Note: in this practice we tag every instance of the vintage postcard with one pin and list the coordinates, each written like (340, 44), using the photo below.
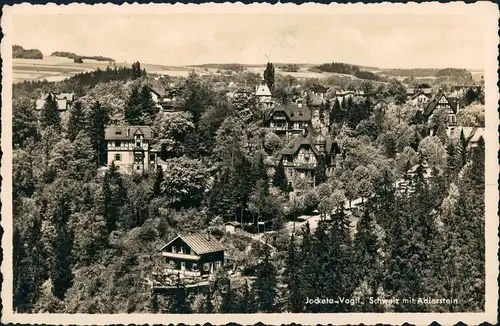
(217, 163)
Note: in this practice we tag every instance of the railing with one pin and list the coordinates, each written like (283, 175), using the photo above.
(179, 255)
(182, 273)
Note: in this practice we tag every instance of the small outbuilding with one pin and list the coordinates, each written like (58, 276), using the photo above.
(232, 227)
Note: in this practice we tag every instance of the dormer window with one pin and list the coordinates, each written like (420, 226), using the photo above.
(118, 132)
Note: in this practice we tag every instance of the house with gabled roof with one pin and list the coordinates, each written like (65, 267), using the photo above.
(195, 254)
(263, 93)
(301, 156)
(318, 90)
(471, 134)
(129, 148)
(288, 119)
(64, 100)
(440, 100)
(166, 101)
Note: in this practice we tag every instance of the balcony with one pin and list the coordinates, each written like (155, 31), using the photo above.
(180, 256)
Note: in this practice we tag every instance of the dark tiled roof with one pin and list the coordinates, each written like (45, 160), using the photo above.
(331, 147)
(298, 141)
(127, 132)
(199, 243)
(435, 101)
(292, 111)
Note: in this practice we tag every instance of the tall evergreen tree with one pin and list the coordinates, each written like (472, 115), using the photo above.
(61, 273)
(292, 278)
(220, 198)
(98, 118)
(265, 284)
(320, 171)
(336, 113)
(157, 182)
(148, 106)
(280, 180)
(133, 107)
(49, 115)
(247, 301)
(113, 197)
(366, 245)
(24, 122)
(269, 76)
(76, 121)
(240, 183)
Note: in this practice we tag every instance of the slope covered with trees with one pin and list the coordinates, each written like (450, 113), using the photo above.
(84, 242)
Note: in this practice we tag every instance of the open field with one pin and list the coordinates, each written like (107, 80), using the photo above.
(59, 68)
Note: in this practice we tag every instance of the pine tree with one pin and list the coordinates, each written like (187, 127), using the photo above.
(61, 273)
(113, 197)
(133, 107)
(220, 198)
(157, 182)
(259, 172)
(247, 302)
(241, 184)
(265, 284)
(280, 180)
(269, 76)
(336, 113)
(49, 115)
(148, 106)
(76, 121)
(320, 171)
(98, 118)
(292, 278)
(365, 249)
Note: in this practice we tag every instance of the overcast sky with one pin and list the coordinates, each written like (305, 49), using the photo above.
(383, 40)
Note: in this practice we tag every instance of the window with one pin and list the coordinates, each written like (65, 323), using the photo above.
(118, 132)
(217, 264)
(138, 158)
(138, 143)
(206, 267)
(118, 143)
(173, 249)
(118, 157)
(138, 168)
(195, 266)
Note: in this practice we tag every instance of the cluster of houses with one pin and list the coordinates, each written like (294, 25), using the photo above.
(297, 122)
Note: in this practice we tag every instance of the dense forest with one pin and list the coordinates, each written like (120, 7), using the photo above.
(71, 55)
(18, 52)
(84, 242)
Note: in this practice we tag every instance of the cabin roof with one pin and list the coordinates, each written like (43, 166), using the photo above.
(199, 243)
(127, 132)
(435, 101)
(233, 223)
(293, 112)
(298, 141)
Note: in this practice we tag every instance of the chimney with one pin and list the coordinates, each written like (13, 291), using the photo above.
(208, 234)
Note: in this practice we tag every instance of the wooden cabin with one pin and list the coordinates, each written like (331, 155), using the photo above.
(194, 254)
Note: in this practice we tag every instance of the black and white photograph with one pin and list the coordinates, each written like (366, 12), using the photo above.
(313, 164)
